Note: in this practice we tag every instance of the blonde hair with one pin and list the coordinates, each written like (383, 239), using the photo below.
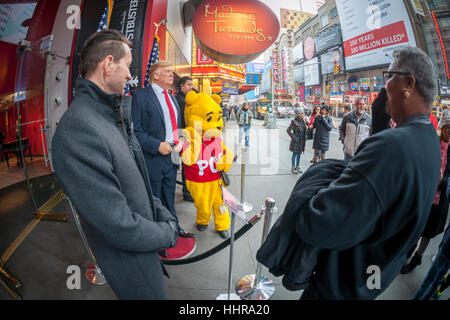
(156, 66)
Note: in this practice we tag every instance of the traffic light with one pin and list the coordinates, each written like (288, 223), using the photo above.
(337, 68)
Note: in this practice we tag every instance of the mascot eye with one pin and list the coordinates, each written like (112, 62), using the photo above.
(219, 118)
(209, 119)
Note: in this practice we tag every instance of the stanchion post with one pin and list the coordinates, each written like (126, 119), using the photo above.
(255, 286)
(93, 273)
(233, 222)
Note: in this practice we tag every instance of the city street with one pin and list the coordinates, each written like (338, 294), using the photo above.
(208, 278)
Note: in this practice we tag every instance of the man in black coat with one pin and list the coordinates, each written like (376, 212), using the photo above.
(184, 86)
(365, 240)
(365, 221)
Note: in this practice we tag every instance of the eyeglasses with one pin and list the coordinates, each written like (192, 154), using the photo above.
(387, 75)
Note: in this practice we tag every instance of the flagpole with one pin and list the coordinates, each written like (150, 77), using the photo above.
(163, 21)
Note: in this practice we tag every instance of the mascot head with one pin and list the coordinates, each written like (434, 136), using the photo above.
(204, 114)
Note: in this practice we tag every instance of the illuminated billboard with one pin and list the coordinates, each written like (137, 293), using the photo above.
(372, 30)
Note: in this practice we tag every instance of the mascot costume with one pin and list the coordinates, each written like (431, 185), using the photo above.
(204, 156)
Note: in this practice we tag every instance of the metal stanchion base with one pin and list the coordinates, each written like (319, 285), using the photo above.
(224, 296)
(247, 290)
(95, 275)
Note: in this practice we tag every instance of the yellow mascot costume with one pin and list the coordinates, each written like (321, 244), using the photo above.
(204, 155)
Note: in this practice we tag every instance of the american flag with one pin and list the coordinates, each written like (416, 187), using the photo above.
(154, 57)
(104, 20)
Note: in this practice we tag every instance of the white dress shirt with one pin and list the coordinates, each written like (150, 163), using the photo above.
(162, 100)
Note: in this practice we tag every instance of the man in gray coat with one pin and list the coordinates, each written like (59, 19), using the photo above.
(355, 127)
(100, 165)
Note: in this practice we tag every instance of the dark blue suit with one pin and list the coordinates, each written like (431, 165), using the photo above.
(148, 119)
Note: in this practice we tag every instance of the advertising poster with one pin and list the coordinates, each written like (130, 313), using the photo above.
(372, 30)
(284, 67)
(128, 16)
(230, 88)
(299, 73)
(275, 66)
(312, 74)
(12, 18)
(330, 59)
(301, 93)
(297, 52)
(328, 39)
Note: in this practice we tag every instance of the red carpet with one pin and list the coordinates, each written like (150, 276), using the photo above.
(184, 248)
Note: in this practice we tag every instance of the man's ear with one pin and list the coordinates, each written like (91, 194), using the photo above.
(411, 82)
(107, 63)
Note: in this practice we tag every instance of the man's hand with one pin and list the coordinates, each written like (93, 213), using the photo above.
(165, 148)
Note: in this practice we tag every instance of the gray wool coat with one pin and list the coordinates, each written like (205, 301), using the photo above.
(101, 168)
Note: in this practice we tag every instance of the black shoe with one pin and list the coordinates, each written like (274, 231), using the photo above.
(224, 234)
(188, 198)
(185, 234)
(163, 253)
(416, 260)
(202, 227)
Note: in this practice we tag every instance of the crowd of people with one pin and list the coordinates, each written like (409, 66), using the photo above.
(356, 127)
(114, 158)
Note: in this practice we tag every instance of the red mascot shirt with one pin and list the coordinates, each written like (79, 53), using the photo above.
(205, 170)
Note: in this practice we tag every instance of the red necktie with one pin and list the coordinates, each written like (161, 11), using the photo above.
(172, 118)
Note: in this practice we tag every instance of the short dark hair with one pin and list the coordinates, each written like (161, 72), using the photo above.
(98, 46)
(182, 81)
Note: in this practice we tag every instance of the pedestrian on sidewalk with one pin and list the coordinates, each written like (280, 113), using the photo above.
(439, 209)
(437, 280)
(398, 172)
(244, 117)
(310, 131)
(297, 132)
(185, 85)
(355, 127)
(321, 142)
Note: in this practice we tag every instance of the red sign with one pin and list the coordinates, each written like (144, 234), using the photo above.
(234, 31)
(203, 58)
(309, 48)
(387, 36)
(301, 93)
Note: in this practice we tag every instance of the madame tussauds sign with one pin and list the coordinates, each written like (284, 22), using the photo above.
(234, 31)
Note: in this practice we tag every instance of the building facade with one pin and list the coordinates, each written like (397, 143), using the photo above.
(335, 63)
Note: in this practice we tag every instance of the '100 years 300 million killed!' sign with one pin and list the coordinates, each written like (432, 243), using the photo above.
(234, 31)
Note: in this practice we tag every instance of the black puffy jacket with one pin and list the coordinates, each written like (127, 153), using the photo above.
(323, 126)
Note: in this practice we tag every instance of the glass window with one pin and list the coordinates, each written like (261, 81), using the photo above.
(333, 13)
(324, 19)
